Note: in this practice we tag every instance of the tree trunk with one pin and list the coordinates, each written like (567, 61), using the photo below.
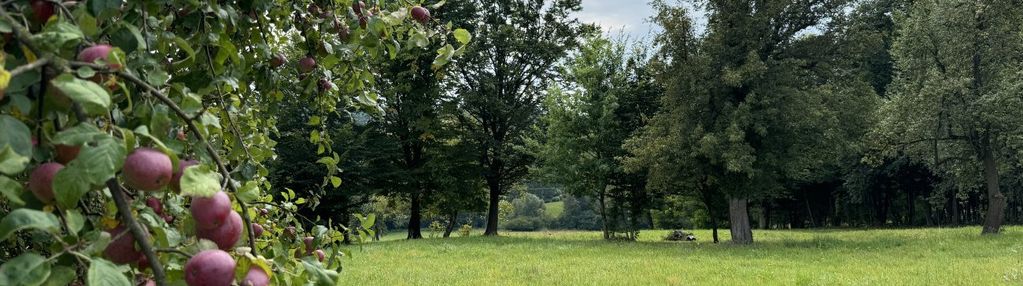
(714, 227)
(955, 209)
(415, 220)
(650, 218)
(603, 215)
(451, 224)
(996, 200)
(738, 216)
(709, 203)
(377, 230)
(493, 212)
(911, 204)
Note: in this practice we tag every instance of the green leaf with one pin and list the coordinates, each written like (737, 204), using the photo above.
(86, 22)
(128, 38)
(11, 190)
(185, 46)
(5, 27)
(368, 221)
(78, 135)
(75, 221)
(335, 181)
(319, 276)
(28, 269)
(444, 56)
(93, 98)
(105, 8)
(99, 239)
(15, 134)
(59, 35)
(20, 219)
(96, 164)
(200, 181)
(248, 192)
(314, 121)
(12, 163)
(462, 36)
(105, 273)
(85, 72)
(60, 276)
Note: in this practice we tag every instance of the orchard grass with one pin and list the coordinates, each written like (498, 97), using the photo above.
(932, 256)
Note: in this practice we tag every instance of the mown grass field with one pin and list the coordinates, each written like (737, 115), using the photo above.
(955, 256)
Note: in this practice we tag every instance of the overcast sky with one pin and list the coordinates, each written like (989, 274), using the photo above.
(620, 16)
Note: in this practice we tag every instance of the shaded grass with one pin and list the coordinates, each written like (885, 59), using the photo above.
(953, 256)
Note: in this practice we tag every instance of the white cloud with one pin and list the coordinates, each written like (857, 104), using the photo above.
(617, 17)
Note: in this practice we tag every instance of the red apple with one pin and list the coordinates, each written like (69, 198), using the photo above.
(210, 268)
(278, 60)
(97, 52)
(256, 277)
(40, 182)
(420, 14)
(358, 6)
(306, 64)
(66, 153)
(211, 212)
(42, 10)
(257, 230)
(227, 235)
(148, 169)
(320, 254)
(155, 204)
(309, 244)
(121, 249)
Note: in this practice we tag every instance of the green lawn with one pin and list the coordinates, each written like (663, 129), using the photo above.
(958, 256)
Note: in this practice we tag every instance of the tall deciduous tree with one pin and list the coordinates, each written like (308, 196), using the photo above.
(507, 69)
(606, 98)
(956, 102)
(744, 111)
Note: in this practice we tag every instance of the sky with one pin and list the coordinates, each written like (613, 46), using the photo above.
(616, 17)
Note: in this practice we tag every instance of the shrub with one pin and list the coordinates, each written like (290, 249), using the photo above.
(465, 230)
(524, 224)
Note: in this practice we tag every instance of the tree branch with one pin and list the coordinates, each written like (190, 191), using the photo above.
(136, 230)
(191, 126)
(30, 66)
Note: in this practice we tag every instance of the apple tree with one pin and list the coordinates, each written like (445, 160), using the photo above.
(133, 134)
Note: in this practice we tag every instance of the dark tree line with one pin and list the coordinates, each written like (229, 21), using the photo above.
(778, 114)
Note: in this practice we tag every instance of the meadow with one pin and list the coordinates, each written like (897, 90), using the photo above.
(933, 256)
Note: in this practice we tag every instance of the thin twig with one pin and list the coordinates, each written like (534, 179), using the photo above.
(30, 66)
(175, 251)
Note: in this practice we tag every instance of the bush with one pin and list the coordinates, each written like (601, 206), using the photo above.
(465, 230)
(528, 205)
(524, 224)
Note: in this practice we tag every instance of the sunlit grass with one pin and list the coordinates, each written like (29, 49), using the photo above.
(956, 256)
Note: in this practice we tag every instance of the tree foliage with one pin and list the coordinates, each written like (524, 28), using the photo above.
(502, 78)
(194, 80)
